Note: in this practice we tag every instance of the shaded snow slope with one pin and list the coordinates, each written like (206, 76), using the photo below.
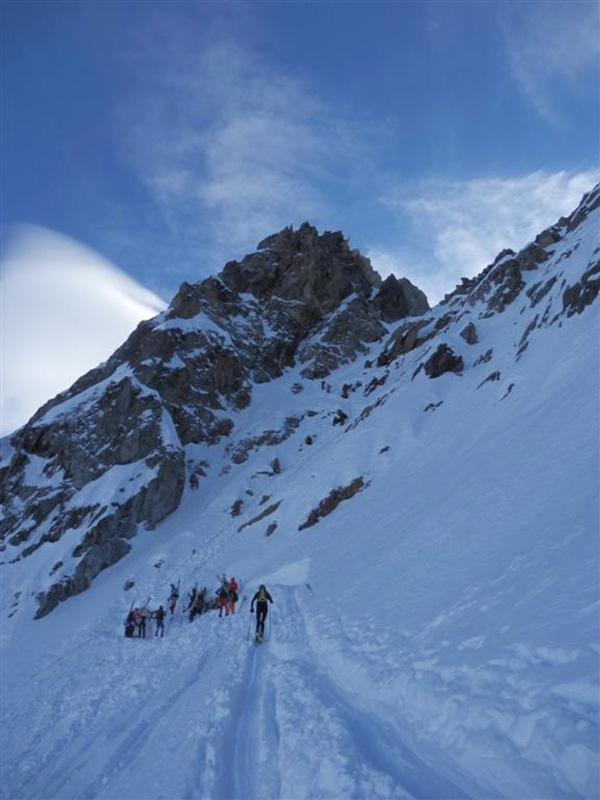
(434, 636)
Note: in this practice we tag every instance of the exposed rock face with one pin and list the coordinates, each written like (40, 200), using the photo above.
(344, 336)
(399, 298)
(319, 271)
(502, 282)
(469, 334)
(584, 292)
(109, 453)
(404, 339)
(513, 279)
(443, 360)
(332, 501)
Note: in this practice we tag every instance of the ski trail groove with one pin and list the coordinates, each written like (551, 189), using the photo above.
(382, 764)
(240, 745)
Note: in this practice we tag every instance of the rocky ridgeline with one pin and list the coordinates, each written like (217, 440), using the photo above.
(535, 278)
(109, 453)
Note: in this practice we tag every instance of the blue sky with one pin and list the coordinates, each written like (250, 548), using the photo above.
(171, 137)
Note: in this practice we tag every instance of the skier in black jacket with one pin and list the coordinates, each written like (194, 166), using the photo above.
(262, 599)
(159, 616)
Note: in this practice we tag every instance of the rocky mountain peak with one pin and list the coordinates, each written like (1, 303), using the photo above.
(303, 265)
(117, 450)
(303, 300)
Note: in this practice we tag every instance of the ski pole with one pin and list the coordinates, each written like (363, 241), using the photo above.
(249, 624)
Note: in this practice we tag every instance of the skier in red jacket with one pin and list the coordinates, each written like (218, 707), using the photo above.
(233, 594)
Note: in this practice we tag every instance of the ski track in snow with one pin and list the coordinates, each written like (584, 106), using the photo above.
(241, 721)
(323, 709)
(381, 764)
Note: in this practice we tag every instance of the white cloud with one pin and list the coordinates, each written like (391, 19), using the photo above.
(551, 47)
(463, 225)
(225, 143)
(64, 311)
(232, 148)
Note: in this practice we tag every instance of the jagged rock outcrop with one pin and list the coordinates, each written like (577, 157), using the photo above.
(397, 299)
(108, 454)
(319, 271)
(502, 281)
(404, 339)
(332, 501)
(469, 334)
(521, 279)
(582, 293)
(443, 360)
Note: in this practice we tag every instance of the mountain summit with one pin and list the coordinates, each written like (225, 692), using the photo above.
(302, 298)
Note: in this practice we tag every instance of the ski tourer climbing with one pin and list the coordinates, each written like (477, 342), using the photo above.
(223, 595)
(191, 599)
(173, 597)
(198, 604)
(262, 598)
(233, 594)
(130, 624)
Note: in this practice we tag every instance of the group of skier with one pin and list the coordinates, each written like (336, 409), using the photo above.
(197, 603)
(138, 618)
(226, 598)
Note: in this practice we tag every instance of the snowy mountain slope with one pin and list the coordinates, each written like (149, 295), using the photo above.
(109, 454)
(434, 635)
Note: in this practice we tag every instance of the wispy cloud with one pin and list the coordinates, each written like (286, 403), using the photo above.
(462, 225)
(227, 145)
(231, 147)
(552, 46)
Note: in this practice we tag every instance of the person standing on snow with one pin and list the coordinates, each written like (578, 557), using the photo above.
(130, 624)
(174, 596)
(262, 599)
(223, 595)
(233, 594)
(191, 598)
(159, 616)
(142, 620)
